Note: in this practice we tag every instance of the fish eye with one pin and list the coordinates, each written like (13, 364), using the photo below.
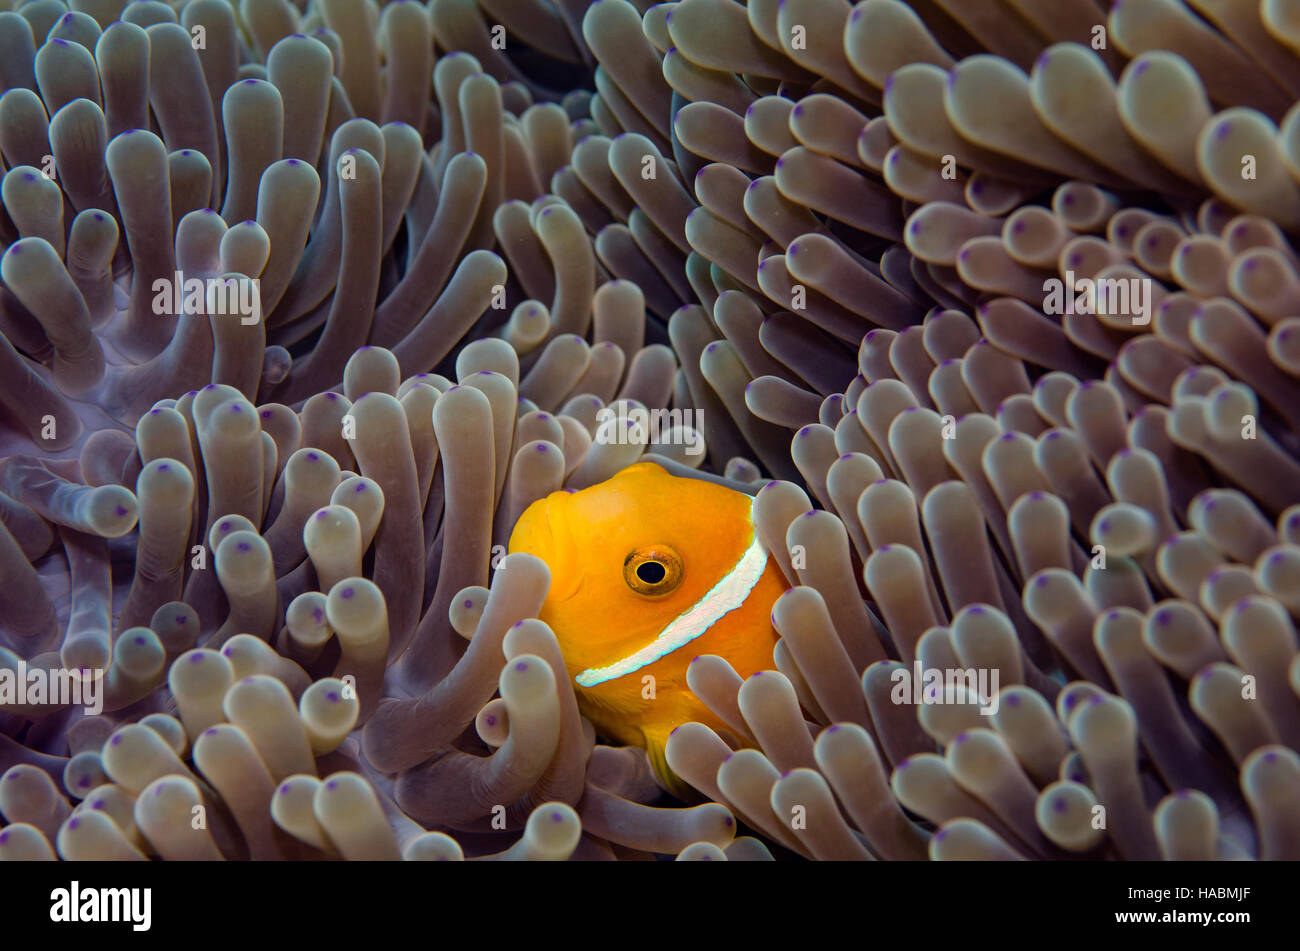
(653, 571)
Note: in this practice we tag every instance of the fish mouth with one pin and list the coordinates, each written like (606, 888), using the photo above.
(543, 531)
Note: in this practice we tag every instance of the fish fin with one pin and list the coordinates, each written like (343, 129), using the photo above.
(656, 740)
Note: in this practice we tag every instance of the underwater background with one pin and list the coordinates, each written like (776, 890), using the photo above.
(904, 398)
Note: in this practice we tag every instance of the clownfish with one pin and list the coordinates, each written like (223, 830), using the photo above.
(648, 572)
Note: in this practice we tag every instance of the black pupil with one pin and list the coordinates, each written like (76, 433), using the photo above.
(651, 572)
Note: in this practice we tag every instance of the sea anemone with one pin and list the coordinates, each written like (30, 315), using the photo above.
(991, 307)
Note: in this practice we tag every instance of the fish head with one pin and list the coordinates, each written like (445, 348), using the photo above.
(629, 556)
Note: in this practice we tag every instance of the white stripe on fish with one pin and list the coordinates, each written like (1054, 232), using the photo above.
(727, 595)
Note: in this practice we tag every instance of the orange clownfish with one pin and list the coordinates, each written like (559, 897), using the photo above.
(648, 572)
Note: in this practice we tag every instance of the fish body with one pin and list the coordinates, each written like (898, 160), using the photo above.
(648, 572)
